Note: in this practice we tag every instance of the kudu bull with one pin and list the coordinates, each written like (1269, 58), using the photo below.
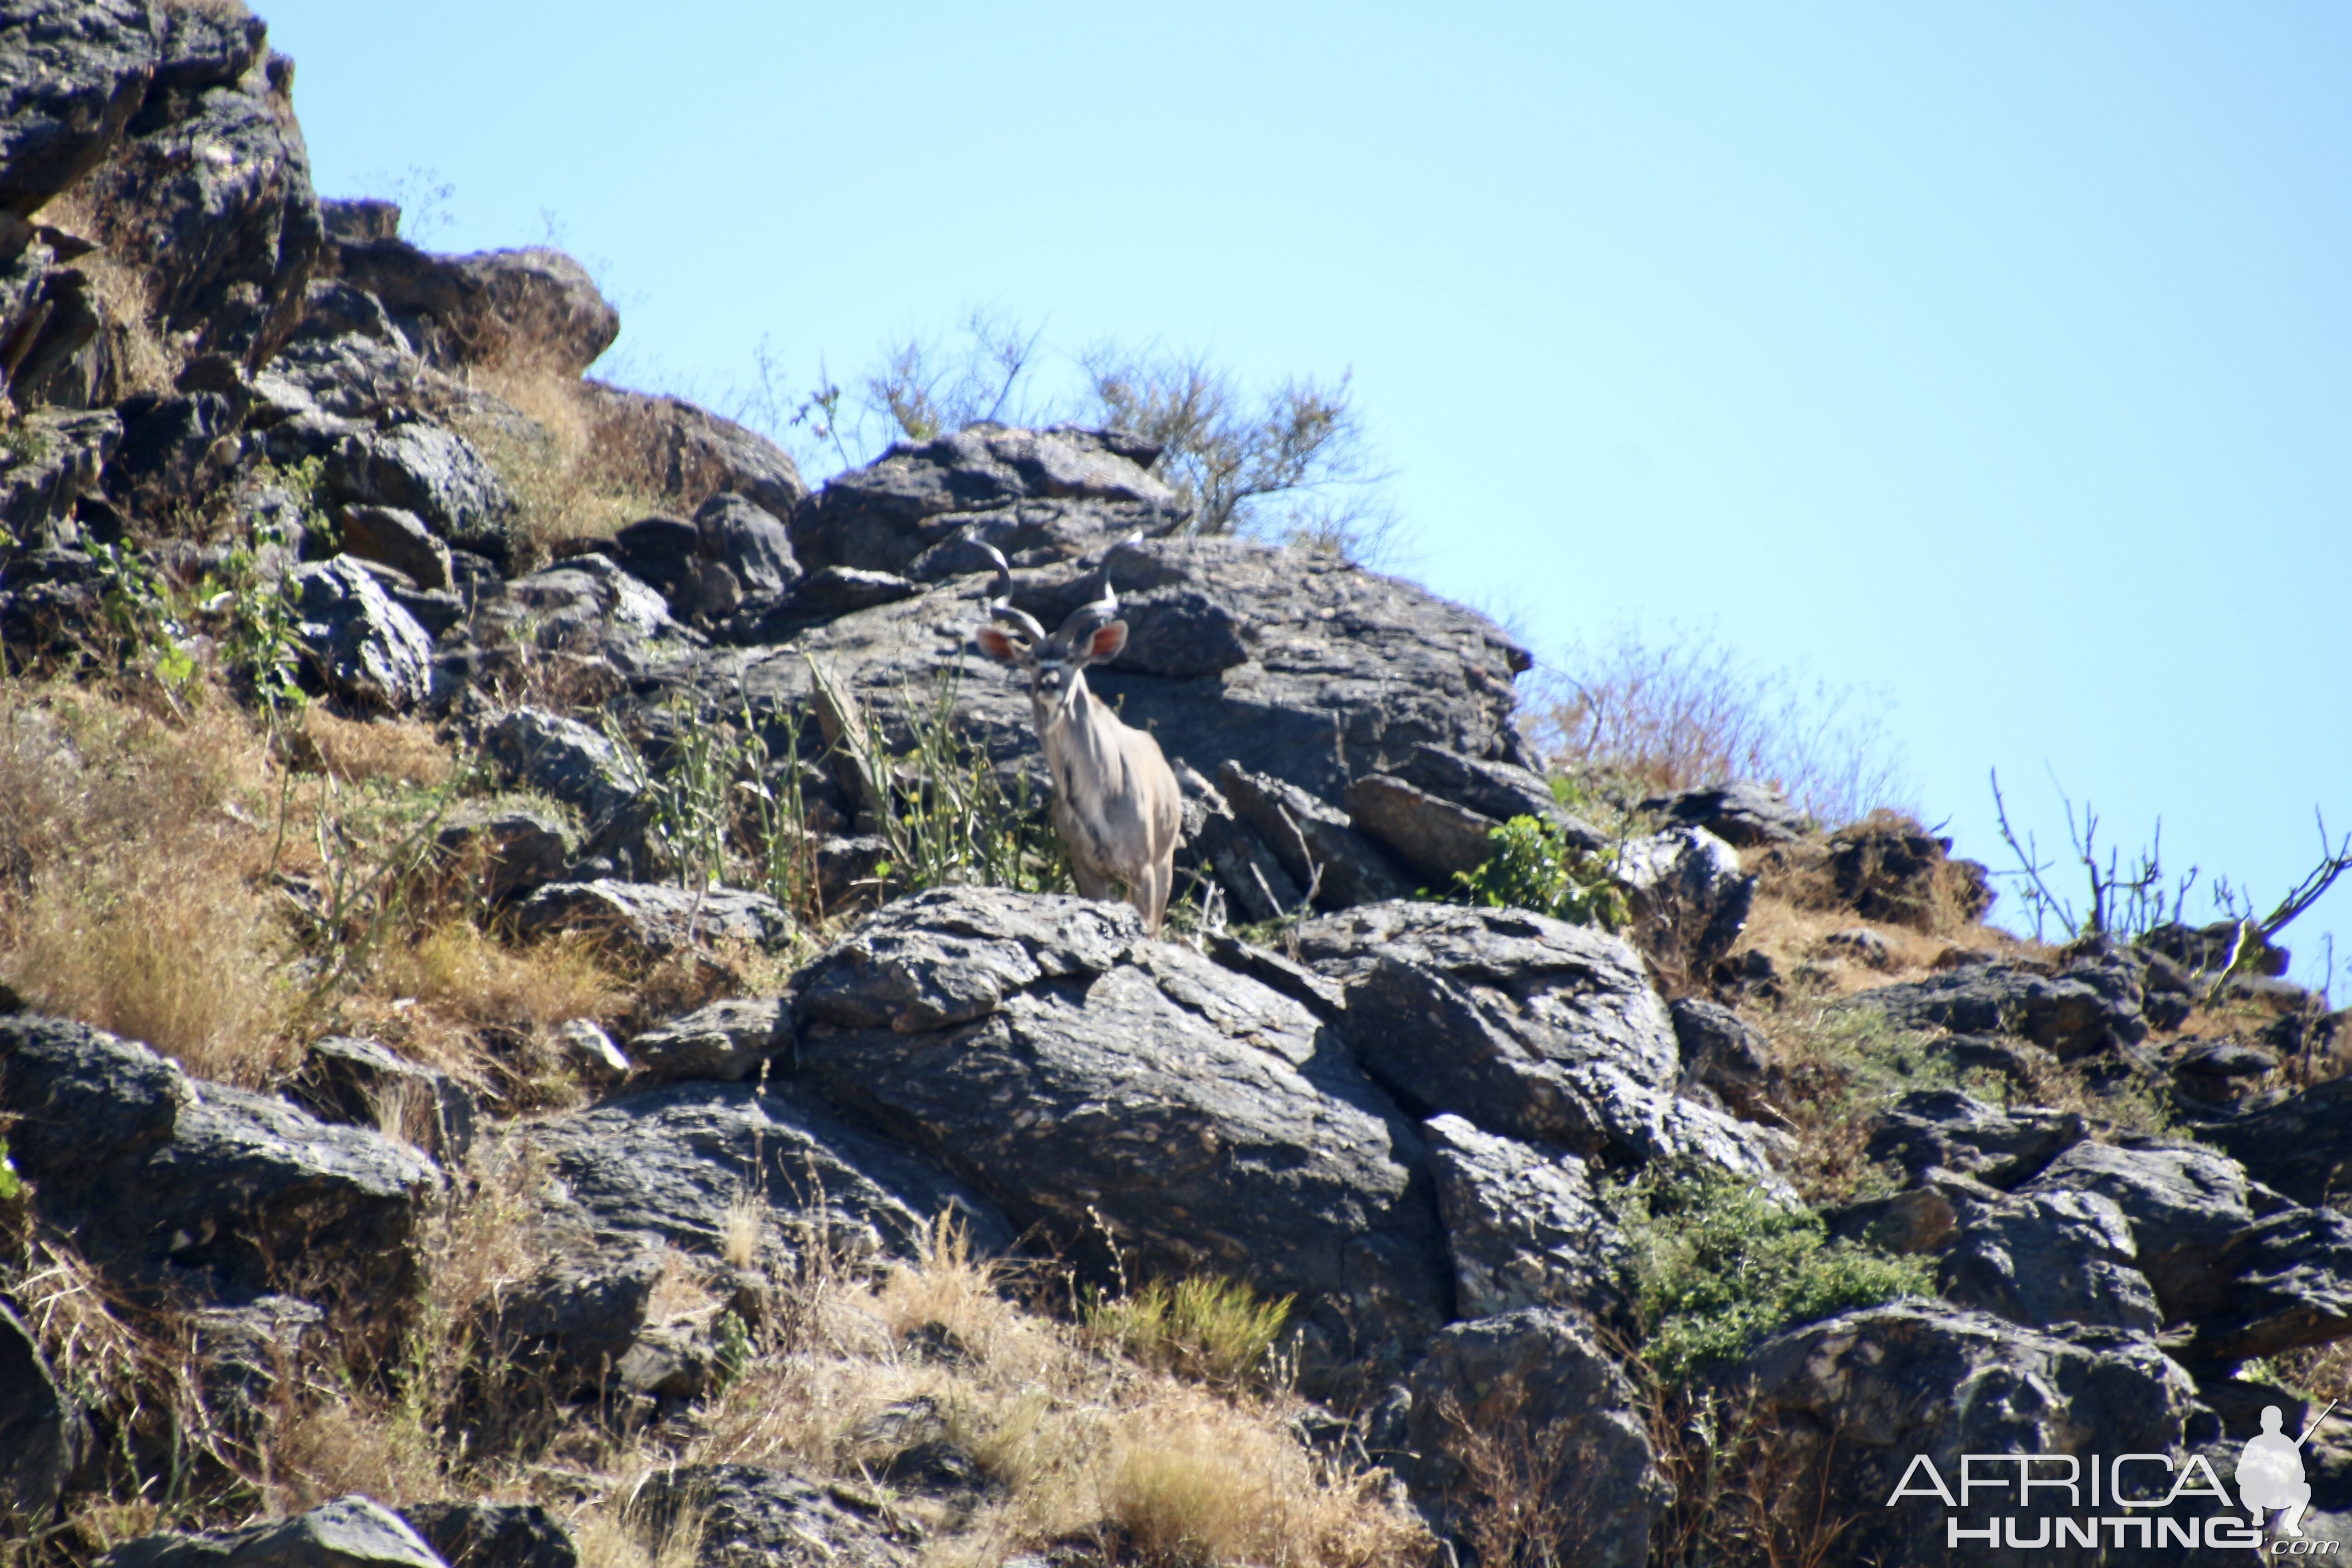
(1115, 802)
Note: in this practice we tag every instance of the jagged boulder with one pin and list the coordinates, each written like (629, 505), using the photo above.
(1523, 1225)
(1889, 868)
(666, 1163)
(368, 1084)
(2290, 1285)
(2302, 1146)
(667, 447)
(535, 307)
(1932, 1129)
(649, 921)
(1690, 897)
(1324, 671)
(493, 1535)
(1524, 1384)
(2059, 1258)
(1438, 839)
(752, 1514)
(422, 467)
(361, 645)
(726, 1040)
(1085, 1077)
(880, 517)
(1528, 1026)
(72, 73)
(1744, 813)
(147, 1168)
(563, 758)
(1314, 843)
(1858, 1398)
(42, 1434)
(210, 193)
(349, 1532)
(2185, 1206)
(51, 461)
(2084, 1009)
(511, 854)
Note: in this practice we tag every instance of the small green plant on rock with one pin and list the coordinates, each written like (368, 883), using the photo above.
(1535, 867)
(1719, 1266)
(1214, 1329)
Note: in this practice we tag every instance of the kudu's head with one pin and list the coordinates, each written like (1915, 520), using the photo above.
(1093, 634)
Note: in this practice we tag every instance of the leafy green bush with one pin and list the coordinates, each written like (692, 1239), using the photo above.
(9, 1187)
(1718, 1266)
(1535, 867)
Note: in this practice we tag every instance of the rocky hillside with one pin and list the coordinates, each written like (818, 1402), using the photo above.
(543, 1022)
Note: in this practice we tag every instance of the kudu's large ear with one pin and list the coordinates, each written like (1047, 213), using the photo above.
(1107, 643)
(996, 644)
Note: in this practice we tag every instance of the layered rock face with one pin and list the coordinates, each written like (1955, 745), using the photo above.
(1419, 1116)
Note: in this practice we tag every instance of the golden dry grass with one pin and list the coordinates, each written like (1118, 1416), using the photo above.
(393, 750)
(559, 472)
(140, 357)
(134, 848)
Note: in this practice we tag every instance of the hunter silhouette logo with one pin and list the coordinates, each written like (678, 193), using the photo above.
(2270, 1471)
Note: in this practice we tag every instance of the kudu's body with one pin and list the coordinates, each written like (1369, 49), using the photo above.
(1115, 802)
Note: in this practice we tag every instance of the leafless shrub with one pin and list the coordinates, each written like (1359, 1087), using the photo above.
(1688, 709)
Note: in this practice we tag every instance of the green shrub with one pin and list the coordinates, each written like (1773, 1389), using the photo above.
(1216, 1329)
(1719, 1266)
(1535, 867)
(10, 1188)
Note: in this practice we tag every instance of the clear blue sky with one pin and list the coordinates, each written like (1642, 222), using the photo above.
(1998, 357)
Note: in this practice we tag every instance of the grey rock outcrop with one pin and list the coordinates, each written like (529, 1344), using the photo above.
(646, 921)
(42, 1434)
(398, 539)
(669, 449)
(881, 517)
(666, 1163)
(1494, 788)
(349, 1532)
(1523, 1225)
(1527, 1027)
(1531, 1380)
(419, 466)
(1297, 668)
(2077, 1012)
(2185, 1206)
(362, 646)
(1690, 899)
(2059, 1258)
(2302, 1146)
(1315, 844)
(512, 853)
(532, 307)
(209, 193)
(72, 73)
(144, 1168)
(726, 1040)
(1744, 813)
(563, 758)
(367, 1084)
(1085, 1077)
(1947, 1128)
(1863, 1393)
(493, 1535)
(760, 1516)
(1436, 837)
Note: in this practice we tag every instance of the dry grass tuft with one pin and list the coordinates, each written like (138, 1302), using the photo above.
(395, 751)
(551, 459)
(133, 850)
(139, 356)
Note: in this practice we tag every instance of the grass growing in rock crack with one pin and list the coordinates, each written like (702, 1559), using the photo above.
(1834, 1071)
(1216, 1330)
(1719, 1266)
